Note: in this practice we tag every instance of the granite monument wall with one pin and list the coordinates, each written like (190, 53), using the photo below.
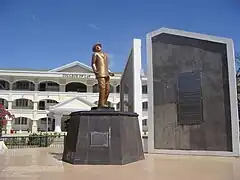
(192, 94)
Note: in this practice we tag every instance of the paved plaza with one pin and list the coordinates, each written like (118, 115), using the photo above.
(46, 164)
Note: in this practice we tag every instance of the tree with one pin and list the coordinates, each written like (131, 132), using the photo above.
(237, 59)
(3, 117)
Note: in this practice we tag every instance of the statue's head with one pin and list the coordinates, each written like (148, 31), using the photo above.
(97, 47)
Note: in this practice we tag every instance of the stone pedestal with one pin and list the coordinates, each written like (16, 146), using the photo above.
(103, 136)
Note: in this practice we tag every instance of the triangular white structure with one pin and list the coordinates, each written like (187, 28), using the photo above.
(75, 66)
(71, 105)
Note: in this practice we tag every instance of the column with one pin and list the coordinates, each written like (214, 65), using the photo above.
(62, 87)
(58, 119)
(9, 105)
(9, 125)
(35, 86)
(90, 88)
(35, 105)
(34, 126)
(10, 85)
(114, 89)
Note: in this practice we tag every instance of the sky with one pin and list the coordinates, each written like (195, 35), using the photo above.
(45, 34)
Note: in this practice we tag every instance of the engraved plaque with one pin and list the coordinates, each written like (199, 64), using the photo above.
(189, 99)
(99, 139)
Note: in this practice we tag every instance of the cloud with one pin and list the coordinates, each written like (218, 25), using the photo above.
(33, 17)
(93, 26)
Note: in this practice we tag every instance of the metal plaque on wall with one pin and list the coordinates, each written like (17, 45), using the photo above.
(189, 99)
(99, 139)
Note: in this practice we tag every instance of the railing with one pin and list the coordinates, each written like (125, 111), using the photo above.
(23, 107)
(47, 93)
(34, 141)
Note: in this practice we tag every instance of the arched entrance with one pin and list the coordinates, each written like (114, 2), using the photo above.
(21, 124)
(76, 87)
(46, 103)
(4, 85)
(48, 86)
(22, 104)
(23, 86)
(46, 124)
(4, 102)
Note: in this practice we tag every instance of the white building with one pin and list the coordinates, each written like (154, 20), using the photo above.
(36, 97)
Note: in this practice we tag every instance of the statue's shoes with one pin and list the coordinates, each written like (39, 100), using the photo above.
(103, 106)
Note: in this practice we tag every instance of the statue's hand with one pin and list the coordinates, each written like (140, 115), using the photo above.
(111, 74)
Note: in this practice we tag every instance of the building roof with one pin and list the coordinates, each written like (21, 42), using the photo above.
(71, 65)
(74, 104)
(23, 69)
(75, 66)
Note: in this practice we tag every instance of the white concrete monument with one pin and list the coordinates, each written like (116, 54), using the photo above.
(131, 84)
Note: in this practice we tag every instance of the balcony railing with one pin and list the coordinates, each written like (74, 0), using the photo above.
(50, 89)
(22, 107)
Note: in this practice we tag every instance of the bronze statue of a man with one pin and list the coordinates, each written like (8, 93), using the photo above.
(102, 73)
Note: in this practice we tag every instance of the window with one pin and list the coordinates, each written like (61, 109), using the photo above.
(95, 88)
(145, 106)
(4, 103)
(50, 101)
(48, 86)
(118, 89)
(21, 121)
(23, 85)
(111, 90)
(44, 120)
(22, 103)
(76, 87)
(144, 89)
(4, 85)
(118, 105)
(144, 122)
(41, 105)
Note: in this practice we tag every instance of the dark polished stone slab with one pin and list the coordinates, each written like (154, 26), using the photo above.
(103, 137)
(102, 108)
(103, 112)
(195, 113)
